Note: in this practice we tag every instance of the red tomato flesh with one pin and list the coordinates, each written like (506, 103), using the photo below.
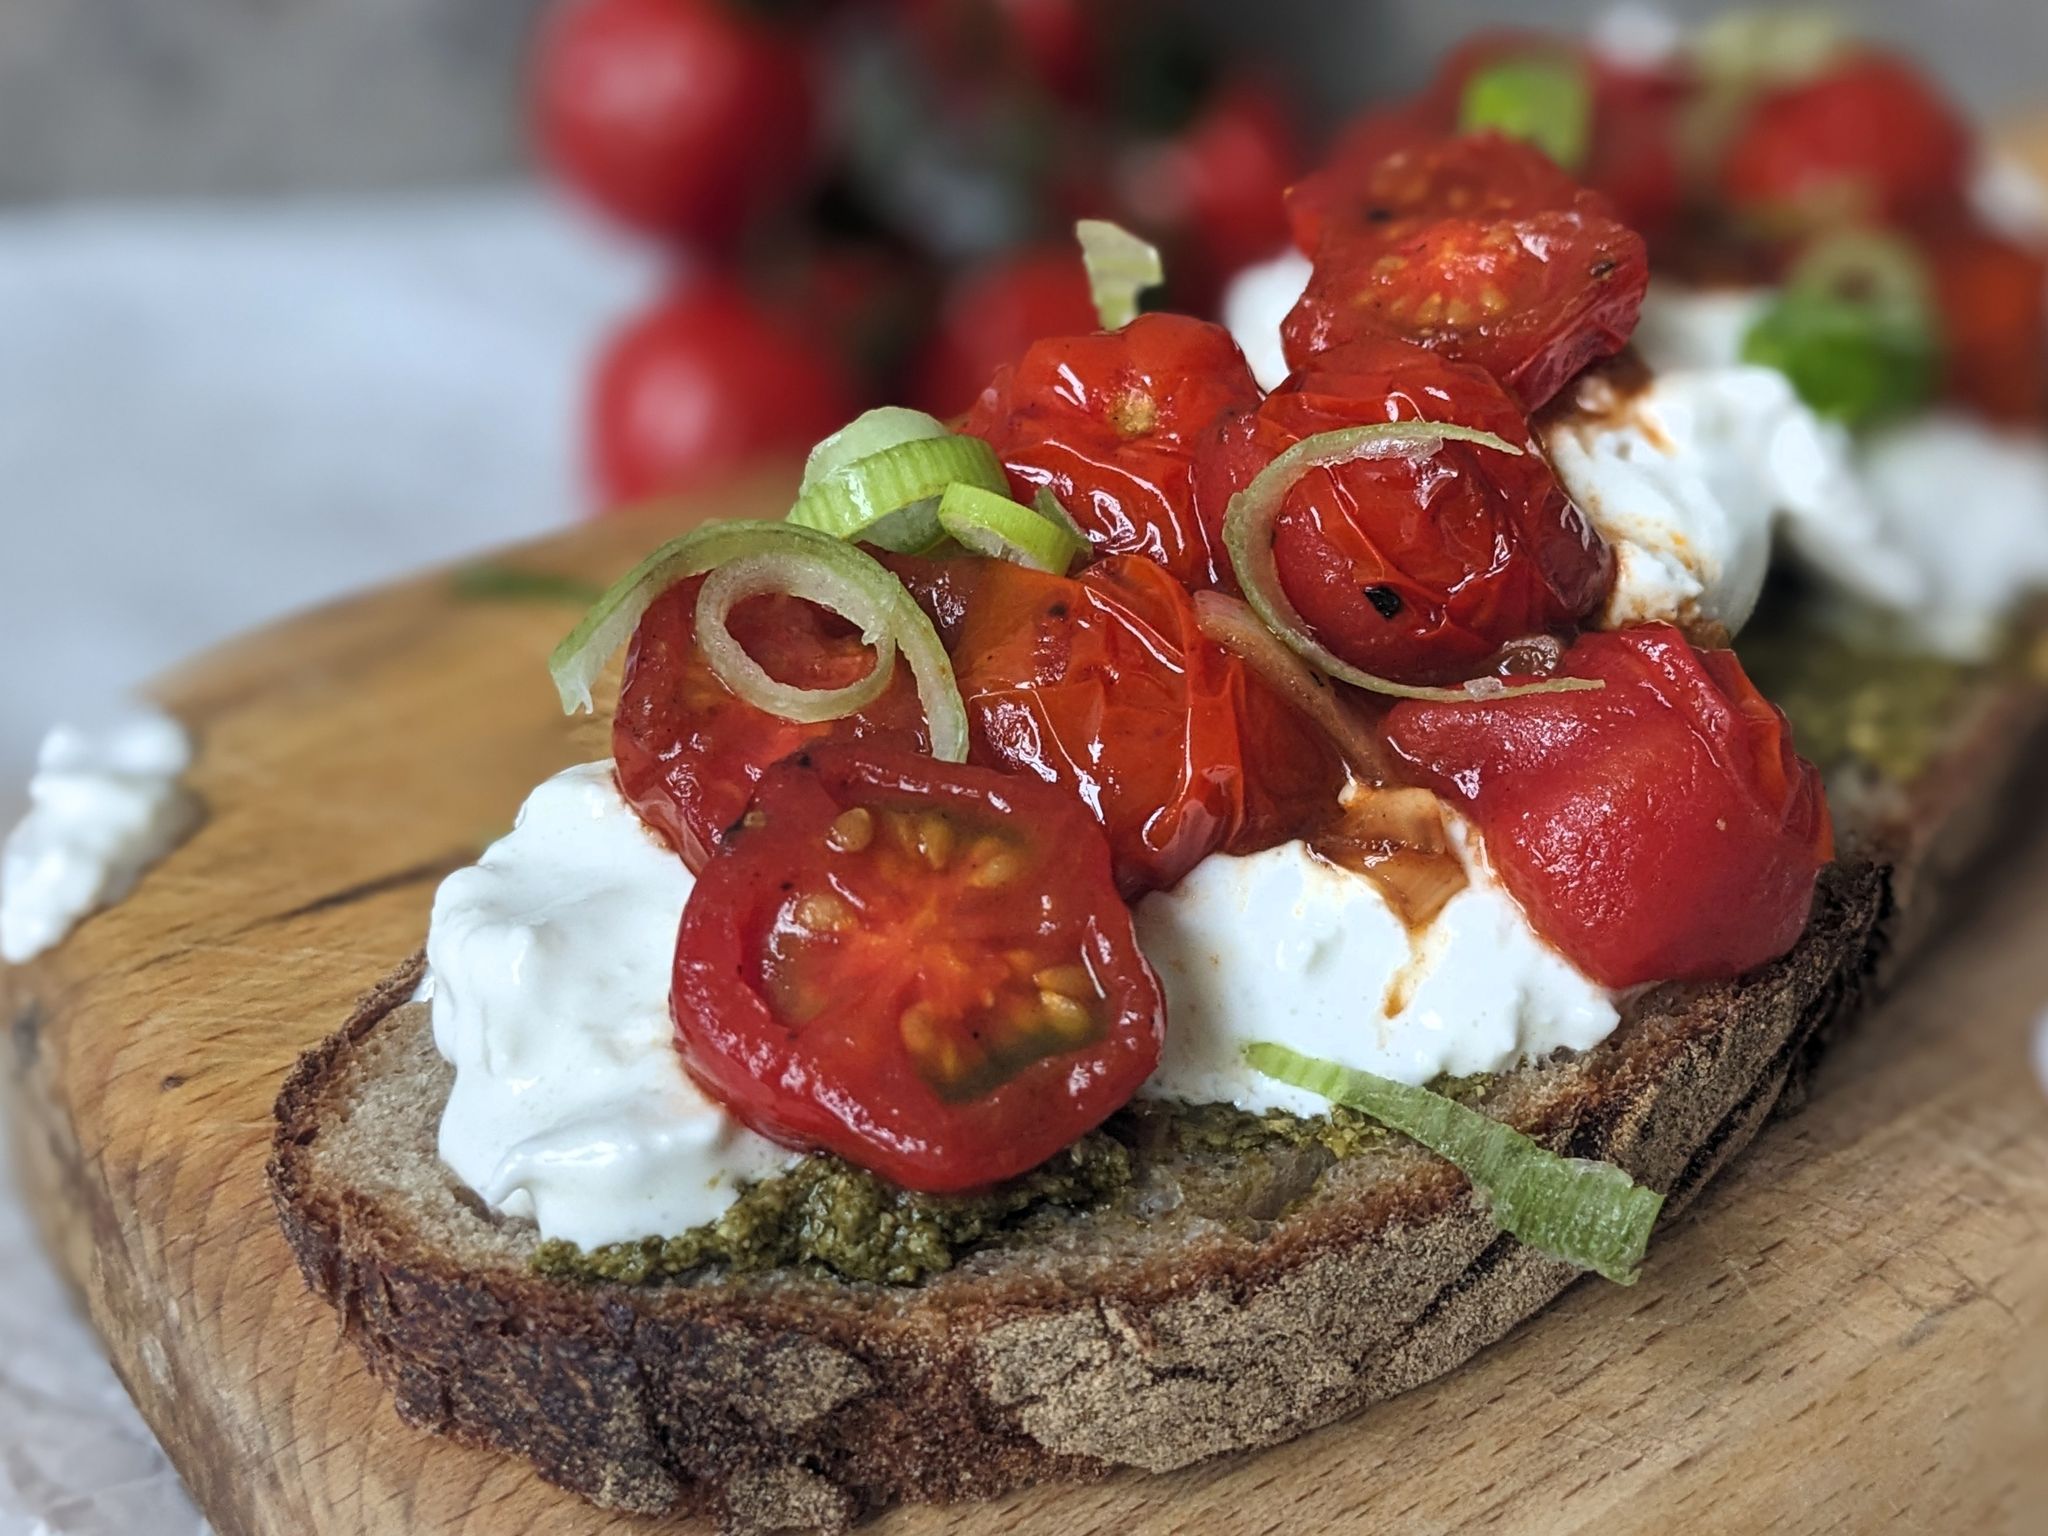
(1477, 247)
(689, 751)
(923, 968)
(1419, 570)
(1110, 423)
(1659, 829)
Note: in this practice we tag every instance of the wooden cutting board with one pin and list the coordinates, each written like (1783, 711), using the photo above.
(1844, 1334)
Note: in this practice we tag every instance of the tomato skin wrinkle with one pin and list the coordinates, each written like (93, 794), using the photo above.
(946, 999)
(1661, 828)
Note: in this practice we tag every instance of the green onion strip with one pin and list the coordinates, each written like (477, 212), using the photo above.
(890, 497)
(1120, 268)
(1248, 538)
(1589, 1214)
(987, 524)
(778, 557)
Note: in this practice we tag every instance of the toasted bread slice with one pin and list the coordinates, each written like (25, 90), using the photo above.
(1214, 1309)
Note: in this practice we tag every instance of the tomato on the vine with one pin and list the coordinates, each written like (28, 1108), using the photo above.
(1660, 828)
(1110, 422)
(991, 313)
(678, 118)
(689, 751)
(922, 967)
(1420, 569)
(1867, 138)
(703, 384)
(1479, 248)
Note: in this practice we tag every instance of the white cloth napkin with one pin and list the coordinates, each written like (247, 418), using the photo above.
(210, 416)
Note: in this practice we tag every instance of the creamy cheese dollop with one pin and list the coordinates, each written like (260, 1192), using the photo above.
(1254, 305)
(1285, 946)
(550, 961)
(104, 805)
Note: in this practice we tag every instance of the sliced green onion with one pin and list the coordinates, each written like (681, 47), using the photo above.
(873, 599)
(1589, 1214)
(987, 524)
(1760, 49)
(1855, 329)
(1543, 99)
(800, 575)
(871, 432)
(1048, 506)
(1248, 538)
(891, 498)
(1120, 268)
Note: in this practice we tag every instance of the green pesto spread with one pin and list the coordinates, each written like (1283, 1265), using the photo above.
(827, 1214)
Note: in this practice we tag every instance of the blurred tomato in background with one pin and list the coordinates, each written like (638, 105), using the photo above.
(873, 200)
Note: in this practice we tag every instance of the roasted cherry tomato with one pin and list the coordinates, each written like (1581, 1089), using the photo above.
(689, 751)
(1048, 45)
(995, 311)
(680, 118)
(1993, 299)
(1869, 138)
(1636, 159)
(1333, 196)
(1479, 248)
(702, 385)
(1109, 423)
(1104, 685)
(1420, 569)
(1658, 829)
(922, 967)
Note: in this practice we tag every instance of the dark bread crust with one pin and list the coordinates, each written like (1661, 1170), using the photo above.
(789, 1401)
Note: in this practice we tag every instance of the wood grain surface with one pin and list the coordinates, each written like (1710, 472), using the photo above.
(1844, 1334)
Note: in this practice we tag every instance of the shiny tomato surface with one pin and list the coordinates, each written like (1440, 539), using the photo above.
(1659, 829)
(1868, 138)
(921, 967)
(1420, 569)
(1479, 248)
(1110, 423)
(678, 118)
(689, 751)
(1992, 295)
(1103, 685)
(992, 313)
(703, 385)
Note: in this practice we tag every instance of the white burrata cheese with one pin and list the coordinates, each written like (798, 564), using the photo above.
(1696, 327)
(104, 805)
(550, 962)
(1967, 503)
(1254, 305)
(1287, 947)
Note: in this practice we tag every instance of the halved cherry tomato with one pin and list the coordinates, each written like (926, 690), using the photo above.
(701, 386)
(1870, 138)
(1334, 195)
(1103, 684)
(1420, 569)
(678, 118)
(992, 313)
(1661, 828)
(1479, 248)
(1993, 299)
(922, 967)
(689, 751)
(1109, 423)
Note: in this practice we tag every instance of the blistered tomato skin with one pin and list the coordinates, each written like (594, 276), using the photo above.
(1110, 423)
(1419, 570)
(922, 967)
(1104, 685)
(1479, 248)
(1659, 829)
(1869, 138)
(689, 751)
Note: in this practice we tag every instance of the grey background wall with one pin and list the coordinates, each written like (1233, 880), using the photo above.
(102, 97)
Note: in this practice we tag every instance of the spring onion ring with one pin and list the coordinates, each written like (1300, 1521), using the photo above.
(731, 584)
(1120, 268)
(871, 432)
(890, 498)
(1048, 507)
(1543, 99)
(1248, 538)
(987, 524)
(873, 599)
(1589, 1214)
(1232, 624)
